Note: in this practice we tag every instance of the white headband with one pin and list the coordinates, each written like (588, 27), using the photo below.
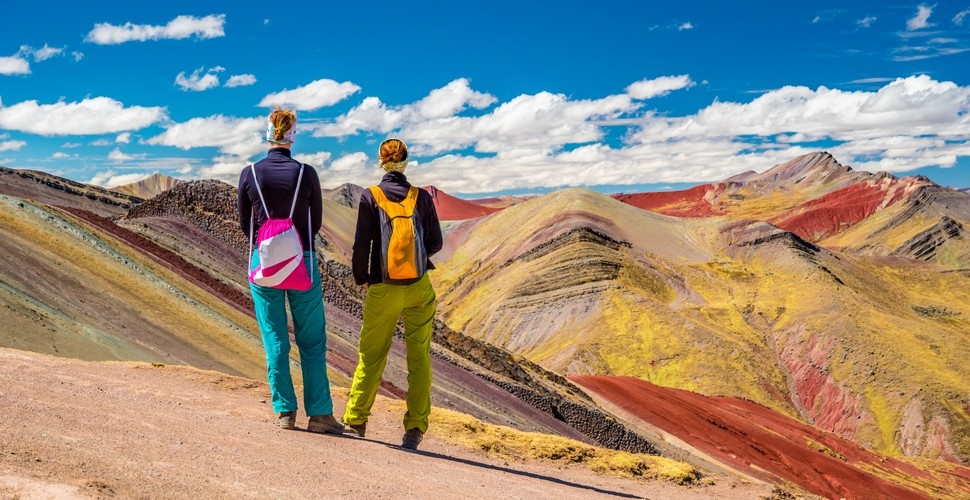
(288, 136)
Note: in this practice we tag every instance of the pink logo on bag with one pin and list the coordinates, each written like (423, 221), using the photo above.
(279, 248)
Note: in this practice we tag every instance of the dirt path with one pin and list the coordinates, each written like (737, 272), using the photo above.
(73, 429)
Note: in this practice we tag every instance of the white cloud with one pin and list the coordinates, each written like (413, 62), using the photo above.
(77, 55)
(314, 95)
(866, 22)
(101, 142)
(211, 26)
(12, 145)
(316, 159)
(921, 19)
(199, 80)
(14, 65)
(44, 53)
(96, 115)
(646, 89)
(109, 179)
(873, 80)
(374, 116)
(118, 156)
(452, 99)
(906, 106)
(816, 20)
(123, 138)
(958, 19)
(240, 80)
(906, 124)
(233, 136)
(71, 145)
(685, 26)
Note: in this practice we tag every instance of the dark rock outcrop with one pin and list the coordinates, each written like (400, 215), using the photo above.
(924, 245)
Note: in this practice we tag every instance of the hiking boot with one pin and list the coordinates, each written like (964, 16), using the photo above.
(412, 438)
(357, 429)
(325, 424)
(287, 420)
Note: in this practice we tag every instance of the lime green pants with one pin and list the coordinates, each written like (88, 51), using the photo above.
(382, 308)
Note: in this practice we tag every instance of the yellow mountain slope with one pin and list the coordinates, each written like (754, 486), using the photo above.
(874, 349)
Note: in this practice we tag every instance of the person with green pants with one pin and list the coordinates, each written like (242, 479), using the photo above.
(393, 271)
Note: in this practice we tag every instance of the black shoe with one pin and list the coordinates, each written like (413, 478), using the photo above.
(412, 438)
(357, 429)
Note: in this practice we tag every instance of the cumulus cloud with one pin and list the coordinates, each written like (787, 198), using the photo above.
(111, 179)
(14, 65)
(60, 155)
(921, 19)
(233, 136)
(646, 89)
(866, 22)
(77, 55)
(911, 106)
(123, 138)
(314, 95)
(96, 115)
(211, 26)
(240, 80)
(372, 115)
(908, 123)
(12, 145)
(316, 159)
(200, 79)
(685, 26)
(118, 156)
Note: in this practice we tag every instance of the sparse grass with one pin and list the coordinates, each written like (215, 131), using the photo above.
(511, 444)
(821, 448)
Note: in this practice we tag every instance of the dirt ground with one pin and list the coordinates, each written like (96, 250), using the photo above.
(75, 429)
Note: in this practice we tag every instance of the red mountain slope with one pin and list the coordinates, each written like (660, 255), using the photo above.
(693, 202)
(845, 207)
(452, 208)
(765, 444)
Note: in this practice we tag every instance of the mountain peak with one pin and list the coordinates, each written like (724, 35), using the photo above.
(813, 168)
(148, 187)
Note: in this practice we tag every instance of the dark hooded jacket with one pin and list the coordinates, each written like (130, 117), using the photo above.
(367, 241)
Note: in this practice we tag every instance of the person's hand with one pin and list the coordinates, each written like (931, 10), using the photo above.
(366, 287)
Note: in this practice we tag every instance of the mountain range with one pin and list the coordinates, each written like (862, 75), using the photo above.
(827, 300)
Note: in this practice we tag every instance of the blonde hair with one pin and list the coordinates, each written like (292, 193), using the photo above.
(282, 120)
(393, 151)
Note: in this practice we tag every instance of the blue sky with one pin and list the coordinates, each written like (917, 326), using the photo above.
(501, 96)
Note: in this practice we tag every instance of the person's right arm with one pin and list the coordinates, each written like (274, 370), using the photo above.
(363, 236)
(243, 203)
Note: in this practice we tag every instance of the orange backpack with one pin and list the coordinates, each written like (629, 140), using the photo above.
(403, 256)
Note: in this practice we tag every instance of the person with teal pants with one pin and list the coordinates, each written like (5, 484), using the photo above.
(287, 186)
(389, 299)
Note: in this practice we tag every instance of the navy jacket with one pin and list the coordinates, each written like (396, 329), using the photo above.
(277, 174)
(367, 241)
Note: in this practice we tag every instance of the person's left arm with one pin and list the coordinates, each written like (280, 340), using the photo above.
(433, 240)
(316, 199)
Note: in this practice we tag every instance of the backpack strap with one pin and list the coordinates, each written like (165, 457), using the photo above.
(296, 193)
(252, 218)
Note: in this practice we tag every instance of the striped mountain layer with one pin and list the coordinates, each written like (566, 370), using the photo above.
(165, 283)
(850, 332)
(194, 226)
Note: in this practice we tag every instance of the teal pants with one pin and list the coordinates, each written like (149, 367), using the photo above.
(309, 328)
(384, 305)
